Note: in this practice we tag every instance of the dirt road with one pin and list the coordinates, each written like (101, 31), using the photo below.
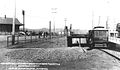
(55, 55)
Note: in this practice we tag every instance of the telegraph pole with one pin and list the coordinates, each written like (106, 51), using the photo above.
(23, 13)
(13, 26)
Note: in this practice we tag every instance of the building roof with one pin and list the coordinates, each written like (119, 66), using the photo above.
(7, 20)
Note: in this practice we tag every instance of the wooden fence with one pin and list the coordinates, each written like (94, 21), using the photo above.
(23, 39)
(19, 40)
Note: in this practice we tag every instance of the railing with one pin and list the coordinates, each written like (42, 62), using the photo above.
(114, 40)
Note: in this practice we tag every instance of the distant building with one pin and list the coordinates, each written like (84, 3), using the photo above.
(6, 25)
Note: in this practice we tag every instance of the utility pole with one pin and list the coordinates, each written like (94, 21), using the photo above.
(70, 26)
(54, 26)
(107, 23)
(66, 28)
(23, 13)
(50, 29)
(70, 29)
(65, 21)
(54, 12)
(13, 26)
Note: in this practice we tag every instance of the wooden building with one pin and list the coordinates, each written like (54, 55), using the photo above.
(6, 25)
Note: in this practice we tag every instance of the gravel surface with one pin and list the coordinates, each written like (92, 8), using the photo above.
(47, 55)
(55, 51)
(68, 58)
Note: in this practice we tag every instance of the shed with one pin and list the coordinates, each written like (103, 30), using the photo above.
(6, 25)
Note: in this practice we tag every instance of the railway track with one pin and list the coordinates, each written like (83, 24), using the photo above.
(113, 51)
(114, 54)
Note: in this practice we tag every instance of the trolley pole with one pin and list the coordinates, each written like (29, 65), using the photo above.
(13, 26)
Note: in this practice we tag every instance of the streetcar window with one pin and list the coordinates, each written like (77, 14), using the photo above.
(75, 40)
(112, 34)
(78, 40)
(100, 33)
(116, 34)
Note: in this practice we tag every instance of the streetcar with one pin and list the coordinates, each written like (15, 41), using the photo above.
(99, 35)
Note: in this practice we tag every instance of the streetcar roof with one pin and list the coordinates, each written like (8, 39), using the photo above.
(99, 28)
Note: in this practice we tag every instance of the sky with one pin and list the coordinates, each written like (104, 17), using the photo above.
(82, 14)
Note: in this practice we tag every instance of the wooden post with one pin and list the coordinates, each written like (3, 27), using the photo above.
(36, 37)
(13, 39)
(69, 41)
(17, 39)
(79, 41)
(31, 38)
(7, 41)
(25, 38)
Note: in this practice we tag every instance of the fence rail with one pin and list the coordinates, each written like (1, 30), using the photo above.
(22, 39)
(26, 39)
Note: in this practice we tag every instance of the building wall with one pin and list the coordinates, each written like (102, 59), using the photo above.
(7, 28)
